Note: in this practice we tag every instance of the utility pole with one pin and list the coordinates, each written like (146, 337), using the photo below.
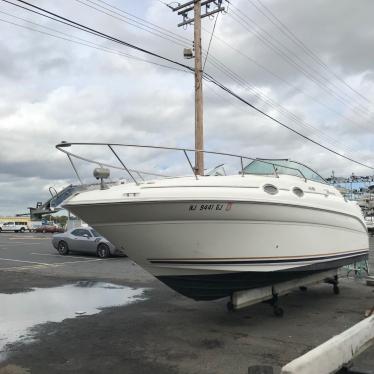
(184, 9)
(199, 128)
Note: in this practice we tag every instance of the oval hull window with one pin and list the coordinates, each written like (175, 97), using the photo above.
(270, 189)
(298, 191)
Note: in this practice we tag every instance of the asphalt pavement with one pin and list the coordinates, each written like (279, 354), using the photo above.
(164, 332)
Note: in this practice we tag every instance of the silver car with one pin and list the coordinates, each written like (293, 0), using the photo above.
(84, 239)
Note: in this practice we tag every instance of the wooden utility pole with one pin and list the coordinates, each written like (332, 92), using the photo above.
(184, 10)
(199, 128)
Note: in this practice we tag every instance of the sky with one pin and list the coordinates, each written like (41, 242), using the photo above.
(308, 64)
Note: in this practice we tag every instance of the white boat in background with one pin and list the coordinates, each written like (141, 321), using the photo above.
(210, 236)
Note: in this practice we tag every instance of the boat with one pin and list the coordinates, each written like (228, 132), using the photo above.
(209, 236)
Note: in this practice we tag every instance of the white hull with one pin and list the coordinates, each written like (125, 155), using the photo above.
(182, 247)
(194, 235)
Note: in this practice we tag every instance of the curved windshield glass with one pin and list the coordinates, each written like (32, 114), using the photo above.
(273, 167)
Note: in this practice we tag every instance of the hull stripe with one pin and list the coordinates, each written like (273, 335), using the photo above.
(276, 260)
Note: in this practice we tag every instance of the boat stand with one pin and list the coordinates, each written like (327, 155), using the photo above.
(270, 294)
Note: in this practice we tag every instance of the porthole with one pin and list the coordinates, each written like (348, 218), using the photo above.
(270, 189)
(298, 191)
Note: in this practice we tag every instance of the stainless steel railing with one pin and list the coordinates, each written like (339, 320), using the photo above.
(132, 172)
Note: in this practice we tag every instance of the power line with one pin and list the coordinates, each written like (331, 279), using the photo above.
(283, 124)
(264, 98)
(84, 43)
(268, 37)
(206, 76)
(316, 77)
(292, 36)
(268, 101)
(154, 26)
(89, 30)
(181, 37)
(279, 78)
(128, 21)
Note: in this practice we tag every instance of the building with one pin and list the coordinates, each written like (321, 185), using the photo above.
(14, 219)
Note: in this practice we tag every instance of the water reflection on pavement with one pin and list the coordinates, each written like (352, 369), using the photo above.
(21, 311)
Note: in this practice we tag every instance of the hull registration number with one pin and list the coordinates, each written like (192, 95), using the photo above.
(216, 206)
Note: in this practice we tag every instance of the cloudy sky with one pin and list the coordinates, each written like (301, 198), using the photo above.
(307, 63)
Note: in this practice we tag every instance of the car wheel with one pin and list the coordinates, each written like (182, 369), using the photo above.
(63, 248)
(103, 250)
(22, 229)
(44, 231)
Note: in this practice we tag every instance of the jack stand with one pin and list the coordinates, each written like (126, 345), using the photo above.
(278, 311)
(335, 282)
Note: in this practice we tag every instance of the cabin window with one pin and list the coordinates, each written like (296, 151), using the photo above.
(298, 191)
(270, 189)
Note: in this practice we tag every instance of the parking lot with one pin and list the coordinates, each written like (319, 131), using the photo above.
(17, 252)
(163, 332)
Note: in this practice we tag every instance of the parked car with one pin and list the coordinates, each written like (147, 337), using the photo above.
(18, 226)
(84, 239)
(49, 228)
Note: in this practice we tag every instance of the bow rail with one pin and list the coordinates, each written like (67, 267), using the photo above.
(132, 172)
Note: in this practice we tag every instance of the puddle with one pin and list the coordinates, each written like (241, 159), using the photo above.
(20, 312)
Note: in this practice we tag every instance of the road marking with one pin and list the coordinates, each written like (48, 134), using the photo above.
(24, 267)
(41, 265)
(75, 262)
(55, 255)
(30, 262)
(30, 238)
(16, 243)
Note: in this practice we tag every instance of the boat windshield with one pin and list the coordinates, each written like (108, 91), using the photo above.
(271, 167)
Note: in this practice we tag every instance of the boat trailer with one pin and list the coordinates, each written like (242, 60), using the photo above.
(270, 294)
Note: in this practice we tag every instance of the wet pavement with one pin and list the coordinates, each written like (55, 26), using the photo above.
(22, 311)
(158, 331)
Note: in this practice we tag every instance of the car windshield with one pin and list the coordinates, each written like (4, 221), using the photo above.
(270, 167)
(95, 234)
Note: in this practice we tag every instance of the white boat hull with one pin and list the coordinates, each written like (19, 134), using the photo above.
(209, 249)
